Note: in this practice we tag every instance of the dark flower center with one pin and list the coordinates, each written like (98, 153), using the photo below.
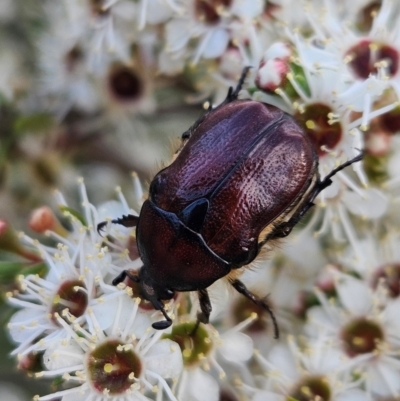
(366, 16)
(71, 295)
(194, 346)
(72, 58)
(97, 8)
(113, 367)
(137, 292)
(361, 336)
(366, 57)
(227, 395)
(390, 121)
(390, 275)
(124, 83)
(310, 389)
(244, 308)
(322, 131)
(210, 11)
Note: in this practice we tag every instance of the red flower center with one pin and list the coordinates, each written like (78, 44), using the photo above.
(390, 275)
(367, 56)
(210, 11)
(316, 121)
(113, 367)
(72, 296)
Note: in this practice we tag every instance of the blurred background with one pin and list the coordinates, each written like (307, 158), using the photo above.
(69, 110)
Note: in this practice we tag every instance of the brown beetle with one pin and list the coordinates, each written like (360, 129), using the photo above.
(245, 175)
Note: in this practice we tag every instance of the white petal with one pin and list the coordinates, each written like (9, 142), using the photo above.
(24, 322)
(157, 11)
(200, 386)
(391, 315)
(282, 358)
(59, 356)
(165, 358)
(77, 395)
(217, 43)
(278, 50)
(354, 294)
(352, 395)
(373, 204)
(379, 375)
(247, 9)
(177, 35)
(236, 347)
(266, 395)
(170, 63)
(317, 317)
(105, 313)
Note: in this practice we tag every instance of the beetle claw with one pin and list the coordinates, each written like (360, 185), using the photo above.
(162, 324)
(100, 227)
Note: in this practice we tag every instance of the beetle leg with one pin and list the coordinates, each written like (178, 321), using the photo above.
(205, 306)
(123, 275)
(163, 324)
(233, 94)
(241, 288)
(285, 229)
(128, 220)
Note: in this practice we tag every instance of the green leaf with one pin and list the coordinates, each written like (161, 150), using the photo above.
(73, 213)
(33, 123)
(10, 270)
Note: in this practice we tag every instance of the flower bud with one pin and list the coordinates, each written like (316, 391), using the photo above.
(274, 67)
(43, 219)
(9, 242)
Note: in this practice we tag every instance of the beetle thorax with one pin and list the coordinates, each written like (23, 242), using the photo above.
(174, 256)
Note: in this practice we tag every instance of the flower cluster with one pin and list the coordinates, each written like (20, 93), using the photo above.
(100, 98)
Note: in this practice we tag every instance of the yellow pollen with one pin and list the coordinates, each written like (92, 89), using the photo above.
(310, 124)
(373, 46)
(56, 299)
(108, 368)
(358, 341)
(186, 353)
(306, 390)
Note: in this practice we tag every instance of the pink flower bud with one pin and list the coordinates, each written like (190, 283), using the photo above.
(42, 219)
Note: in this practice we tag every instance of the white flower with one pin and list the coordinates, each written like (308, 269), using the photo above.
(75, 282)
(206, 352)
(365, 327)
(312, 371)
(209, 23)
(338, 202)
(113, 366)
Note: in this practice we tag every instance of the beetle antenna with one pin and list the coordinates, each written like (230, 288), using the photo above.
(327, 180)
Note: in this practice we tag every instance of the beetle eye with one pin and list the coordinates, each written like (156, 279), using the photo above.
(169, 293)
